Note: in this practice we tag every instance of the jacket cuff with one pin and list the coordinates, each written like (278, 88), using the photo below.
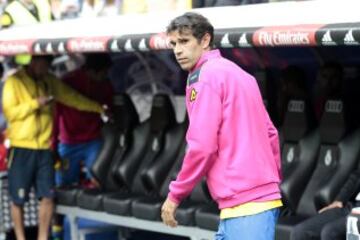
(174, 199)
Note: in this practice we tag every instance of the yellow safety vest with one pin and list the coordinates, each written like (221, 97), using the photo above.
(20, 15)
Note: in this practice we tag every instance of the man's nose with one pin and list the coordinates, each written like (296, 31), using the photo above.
(177, 50)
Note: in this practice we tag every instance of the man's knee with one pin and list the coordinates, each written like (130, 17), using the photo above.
(331, 232)
(298, 233)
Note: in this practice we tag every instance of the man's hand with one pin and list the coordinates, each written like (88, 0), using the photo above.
(168, 210)
(335, 204)
(44, 100)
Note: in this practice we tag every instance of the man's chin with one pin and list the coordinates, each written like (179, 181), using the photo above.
(185, 67)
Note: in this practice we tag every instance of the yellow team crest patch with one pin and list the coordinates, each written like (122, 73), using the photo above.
(193, 95)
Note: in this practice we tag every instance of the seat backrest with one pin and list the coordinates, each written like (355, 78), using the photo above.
(162, 119)
(116, 137)
(155, 173)
(337, 158)
(300, 145)
(148, 141)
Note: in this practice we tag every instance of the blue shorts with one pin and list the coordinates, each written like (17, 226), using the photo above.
(73, 155)
(260, 226)
(27, 168)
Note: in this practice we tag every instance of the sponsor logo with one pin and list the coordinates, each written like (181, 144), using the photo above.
(49, 48)
(14, 47)
(334, 106)
(114, 46)
(159, 41)
(349, 38)
(225, 42)
(128, 46)
(37, 48)
(61, 47)
(328, 158)
(142, 45)
(243, 42)
(122, 140)
(296, 106)
(290, 155)
(277, 38)
(327, 39)
(155, 144)
(91, 44)
(194, 77)
(193, 95)
(300, 35)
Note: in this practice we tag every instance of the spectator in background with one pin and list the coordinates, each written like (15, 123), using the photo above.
(330, 223)
(220, 3)
(27, 101)
(91, 8)
(110, 8)
(148, 6)
(133, 6)
(79, 132)
(292, 87)
(328, 85)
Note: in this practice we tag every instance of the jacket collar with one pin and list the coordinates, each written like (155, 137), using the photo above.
(205, 57)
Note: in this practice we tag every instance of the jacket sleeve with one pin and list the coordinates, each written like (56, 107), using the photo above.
(274, 141)
(202, 140)
(350, 188)
(13, 109)
(70, 97)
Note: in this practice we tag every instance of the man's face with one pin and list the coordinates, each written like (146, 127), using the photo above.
(99, 76)
(187, 48)
(40, 68)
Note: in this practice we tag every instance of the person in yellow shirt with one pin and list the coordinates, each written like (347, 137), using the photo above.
(28, 101)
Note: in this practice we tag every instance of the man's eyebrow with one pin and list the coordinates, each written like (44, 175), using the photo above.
(183, 38)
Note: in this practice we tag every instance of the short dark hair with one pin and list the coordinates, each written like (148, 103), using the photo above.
(97, 61)
(196, 23)
(47, 58)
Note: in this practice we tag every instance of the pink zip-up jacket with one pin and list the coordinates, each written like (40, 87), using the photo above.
(231, 139)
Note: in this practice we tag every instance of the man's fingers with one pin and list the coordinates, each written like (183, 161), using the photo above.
(168, 213)
(168, 219)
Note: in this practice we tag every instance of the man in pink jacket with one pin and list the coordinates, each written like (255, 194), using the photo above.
(231, 139)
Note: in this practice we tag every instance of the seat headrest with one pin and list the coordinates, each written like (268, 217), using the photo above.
(162, 113)
(299, 119)
(125, 114)
(332, 124)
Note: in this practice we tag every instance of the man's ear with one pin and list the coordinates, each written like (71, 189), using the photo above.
(205, 41)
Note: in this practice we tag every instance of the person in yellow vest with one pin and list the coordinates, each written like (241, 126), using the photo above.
(25, 12)
(28, 102)
(147, 6)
